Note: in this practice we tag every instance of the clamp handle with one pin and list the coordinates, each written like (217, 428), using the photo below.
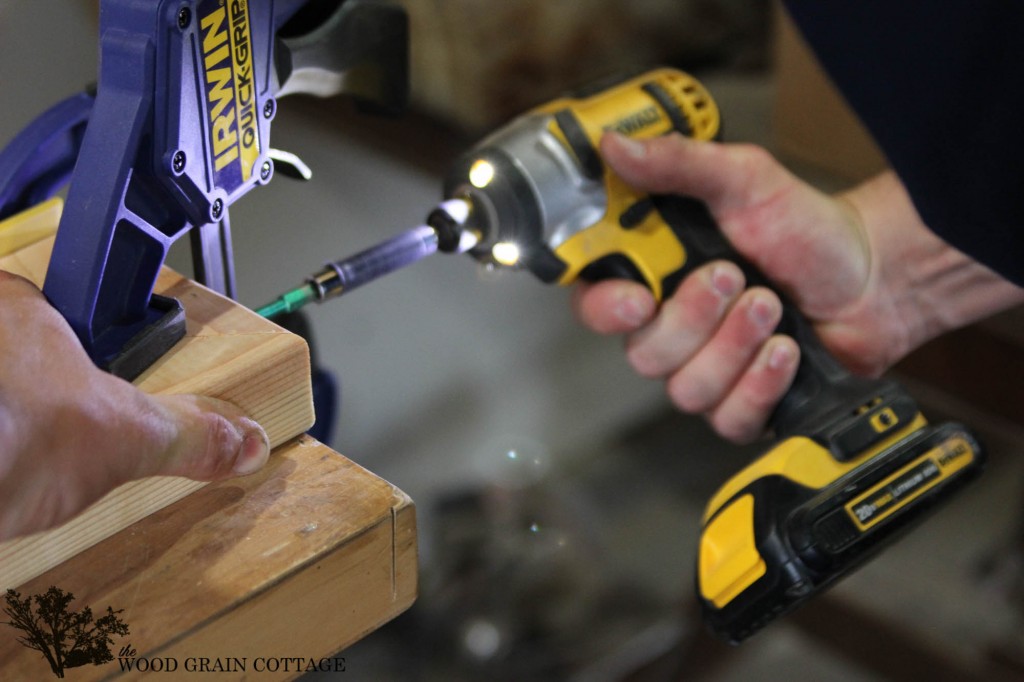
(179, 129)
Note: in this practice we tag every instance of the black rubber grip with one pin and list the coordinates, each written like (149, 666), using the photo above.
(576, 135)
(680, 122)
(823, 391)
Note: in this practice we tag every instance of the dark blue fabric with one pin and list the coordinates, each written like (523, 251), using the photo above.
(940, 85)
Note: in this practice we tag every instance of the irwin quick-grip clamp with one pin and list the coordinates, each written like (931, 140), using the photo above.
(177, 130)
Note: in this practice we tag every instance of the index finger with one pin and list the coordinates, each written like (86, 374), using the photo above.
(613, 306)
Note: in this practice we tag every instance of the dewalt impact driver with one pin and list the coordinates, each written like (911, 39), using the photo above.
(855, 462)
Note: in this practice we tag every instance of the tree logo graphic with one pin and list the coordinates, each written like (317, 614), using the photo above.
(67, 639)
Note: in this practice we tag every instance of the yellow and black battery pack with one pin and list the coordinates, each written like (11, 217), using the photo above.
(797, 519)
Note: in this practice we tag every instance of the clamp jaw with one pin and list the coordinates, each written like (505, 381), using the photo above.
(178, 129)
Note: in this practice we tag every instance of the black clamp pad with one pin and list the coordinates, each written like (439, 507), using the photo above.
(150, 343)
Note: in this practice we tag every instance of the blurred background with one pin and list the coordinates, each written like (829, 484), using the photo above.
(558, 495)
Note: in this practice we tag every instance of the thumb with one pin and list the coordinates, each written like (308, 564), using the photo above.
(806, 242)
(200, 438)
(733, 176)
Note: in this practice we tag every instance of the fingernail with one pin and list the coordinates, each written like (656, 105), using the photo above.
(633, 310)
(634, 148)
(762, 311)
(780, 356)
(255, 449)
(725, 281)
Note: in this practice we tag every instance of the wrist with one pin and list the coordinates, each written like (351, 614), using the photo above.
(920, 284)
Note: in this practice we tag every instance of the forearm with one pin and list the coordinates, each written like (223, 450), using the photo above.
(925, 285)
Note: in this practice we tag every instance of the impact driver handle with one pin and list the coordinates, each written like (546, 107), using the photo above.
(822, 389)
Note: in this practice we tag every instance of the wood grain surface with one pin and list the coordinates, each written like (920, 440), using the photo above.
(286, 566)
(291, 564)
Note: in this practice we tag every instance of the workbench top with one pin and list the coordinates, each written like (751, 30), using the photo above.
(274, 570)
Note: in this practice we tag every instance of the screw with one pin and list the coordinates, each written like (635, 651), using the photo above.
(217, 209)
(184, 18)
(268, 108)
(178, 162)
(265, 170)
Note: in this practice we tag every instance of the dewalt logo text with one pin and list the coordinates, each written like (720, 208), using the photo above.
(230, 91)
(635, 122)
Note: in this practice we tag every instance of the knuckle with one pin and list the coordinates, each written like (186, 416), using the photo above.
(689, 394)
(205, 449)
(761, 402)
(764, 391)
(643, 363)
(696, 299)
(735, 429)
(751, 164)
(751, 158)
(222, 442)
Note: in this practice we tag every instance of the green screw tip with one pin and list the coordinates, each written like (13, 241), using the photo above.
(288, 302)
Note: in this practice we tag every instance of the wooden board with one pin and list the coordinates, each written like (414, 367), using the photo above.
(294, 562)
(30, 226)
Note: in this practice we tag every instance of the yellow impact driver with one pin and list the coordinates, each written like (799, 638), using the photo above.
(855, 462)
